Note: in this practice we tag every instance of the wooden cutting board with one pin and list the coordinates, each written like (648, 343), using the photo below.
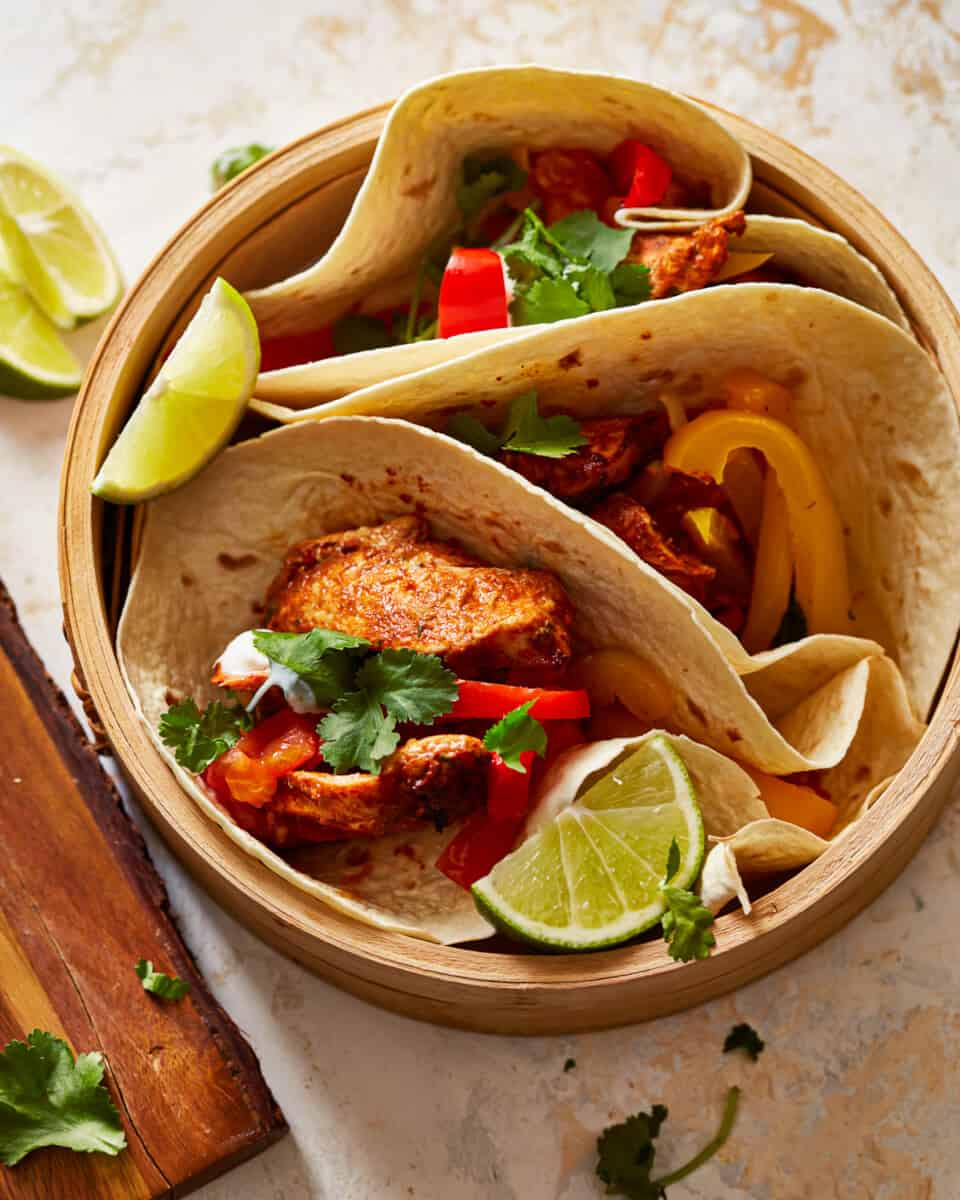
(80, 903)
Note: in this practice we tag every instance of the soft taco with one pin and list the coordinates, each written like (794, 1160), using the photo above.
(401, 612)
(501, 199)
(603, 412)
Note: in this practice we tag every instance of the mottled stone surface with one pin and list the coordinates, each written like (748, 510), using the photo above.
(856, 1096)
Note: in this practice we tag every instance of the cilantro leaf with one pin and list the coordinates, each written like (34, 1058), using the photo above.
(410, 686)
(584, 236)
(526, 432)
(686, 925)
(673, 860)
(231, 162)
(196, 737)
(482, 178)
(626, 1153)
(167, 987)
(537, 249)
(357, 734)
(48, 1099)
(516, 733)
(744, 1037)
(473, 433)
(593, 287)
(323, 658)
(357, 332)
(545, 301)
(630, 283)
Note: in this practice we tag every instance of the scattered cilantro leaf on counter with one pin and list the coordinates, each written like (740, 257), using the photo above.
(196, 737)
(626, 1152)
(357, 734)
(484, 177)
(744, 1037)
(392, 686)
(546, 301)
(410, 686)
(524, 431)
(230, 163)
(584, 236)
(357, 332)
(324, 658)
(527, 432)
(48, 1099)
(516, 733)
(167, 987)
(686, 925)
(569, 1065)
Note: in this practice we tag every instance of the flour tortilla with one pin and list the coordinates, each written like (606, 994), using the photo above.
(209, 550)
(868, 402)
(823, 259)
(408, 198)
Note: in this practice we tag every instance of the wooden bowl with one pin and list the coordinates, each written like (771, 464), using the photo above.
(276, 219)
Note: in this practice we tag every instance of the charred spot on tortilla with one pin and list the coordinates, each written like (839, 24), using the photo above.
(571, 360)
(236, 562)
(187, 581)
(592, 383)
(350, 479)
(417, 191)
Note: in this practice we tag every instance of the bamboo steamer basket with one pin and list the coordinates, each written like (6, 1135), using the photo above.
(273, 220)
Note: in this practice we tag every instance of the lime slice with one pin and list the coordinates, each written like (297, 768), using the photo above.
(192, 407)
(591, 876)
(34, 362)
(59, 254)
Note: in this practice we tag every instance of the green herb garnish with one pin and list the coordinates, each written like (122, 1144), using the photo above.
(324, 658)
(524, 431)
(686, 923)
(49, 1099)
(231, 162)
(744, 1037)
(196, 737)
(482, 178)
(515, 734)
(626, 1152)
(356, 332)
(167, 987)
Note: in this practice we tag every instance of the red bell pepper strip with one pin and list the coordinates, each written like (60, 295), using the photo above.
(640, 174)
(494, 700)
(478, 847)
(473, 293)
(508, 791)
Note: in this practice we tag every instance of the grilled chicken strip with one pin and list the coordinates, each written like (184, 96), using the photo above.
(615, 447)
(430, 780)
(395, 587)
(687, 263)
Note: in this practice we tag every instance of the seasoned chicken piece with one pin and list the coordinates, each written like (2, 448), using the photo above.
(431, 780)
(615, 446)
(630, 521)
(393, 586)
(685, 262)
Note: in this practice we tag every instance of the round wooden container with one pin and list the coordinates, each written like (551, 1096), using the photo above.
(272, 221)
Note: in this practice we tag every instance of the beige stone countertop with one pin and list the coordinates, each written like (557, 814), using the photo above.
(856, 1095)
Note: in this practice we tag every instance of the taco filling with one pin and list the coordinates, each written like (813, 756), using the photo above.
(538, 241)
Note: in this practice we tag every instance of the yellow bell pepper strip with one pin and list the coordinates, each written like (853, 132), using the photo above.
(749, 391)
(772, 571)
(820, 561)
(795, 803)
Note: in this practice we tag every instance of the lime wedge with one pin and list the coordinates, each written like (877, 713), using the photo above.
(591, 876)
(192, 407)
(58, 252)
(34, 362)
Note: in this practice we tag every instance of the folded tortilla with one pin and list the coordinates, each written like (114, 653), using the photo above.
(868, 402)
(408, 199)
(209, 550)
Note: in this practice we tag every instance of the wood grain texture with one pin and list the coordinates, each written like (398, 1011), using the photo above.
(237, 234)
(80, 903)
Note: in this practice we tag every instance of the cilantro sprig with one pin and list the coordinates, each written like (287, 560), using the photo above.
(524, 431)
(167, 987)
(483, 178)
(626, 1152)
(744, 1037)
(198, 737)
(571, 268)
(686, 922)
(324, 658)
(515, 734)
(49, 1099)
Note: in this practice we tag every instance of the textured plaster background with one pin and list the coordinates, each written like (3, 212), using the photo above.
(856, 1096)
